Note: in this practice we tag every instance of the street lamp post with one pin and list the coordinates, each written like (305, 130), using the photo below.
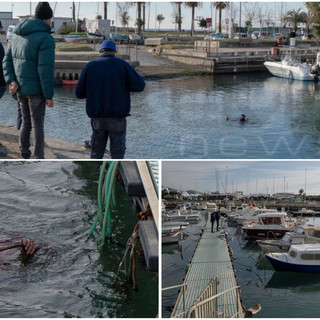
(305, 186)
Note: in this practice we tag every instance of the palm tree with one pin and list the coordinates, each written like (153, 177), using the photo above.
(144, 15)
(178, 17)
(192, 5)
(314, 17)
(123, 12)
(139, 20)
(73, 12)
(105, 10)
(220, 6)
(294, 17)
(160, 19)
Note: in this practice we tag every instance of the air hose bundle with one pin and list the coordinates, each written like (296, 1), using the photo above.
(106, 199)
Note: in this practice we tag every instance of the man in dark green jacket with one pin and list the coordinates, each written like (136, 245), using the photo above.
(29, 70)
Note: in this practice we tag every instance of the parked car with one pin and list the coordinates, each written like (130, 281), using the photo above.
(240, 35)
(10, 32)
(256, 35)
(136, 38)
(277, 35)
(214, 36)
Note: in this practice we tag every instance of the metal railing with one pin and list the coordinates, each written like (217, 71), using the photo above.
(207, 305)
(184, 288)
(211, 307)
(204, 309)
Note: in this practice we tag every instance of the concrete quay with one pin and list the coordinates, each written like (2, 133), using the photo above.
(54, 149)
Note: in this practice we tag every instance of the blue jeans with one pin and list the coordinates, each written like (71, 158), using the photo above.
(33, 110)
(104, 128)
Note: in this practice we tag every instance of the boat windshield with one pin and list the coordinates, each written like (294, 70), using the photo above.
(286, 237)
(271, 220)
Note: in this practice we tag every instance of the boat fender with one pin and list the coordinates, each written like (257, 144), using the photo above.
(253, 310)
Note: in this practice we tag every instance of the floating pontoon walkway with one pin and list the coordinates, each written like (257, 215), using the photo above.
(210, 288)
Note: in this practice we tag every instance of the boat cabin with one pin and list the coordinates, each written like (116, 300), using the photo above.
(272, 218)
(305, 252)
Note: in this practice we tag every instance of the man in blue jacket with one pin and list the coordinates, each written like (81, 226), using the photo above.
(29, 70)
(106, 83)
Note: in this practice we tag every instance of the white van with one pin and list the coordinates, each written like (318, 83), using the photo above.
(10, 32)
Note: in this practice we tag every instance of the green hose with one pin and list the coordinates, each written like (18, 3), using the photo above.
(106, 187)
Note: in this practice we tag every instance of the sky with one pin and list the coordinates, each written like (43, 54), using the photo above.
(247, 176)
(91, 9)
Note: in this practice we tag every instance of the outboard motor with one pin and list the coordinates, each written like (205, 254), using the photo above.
(315, 69)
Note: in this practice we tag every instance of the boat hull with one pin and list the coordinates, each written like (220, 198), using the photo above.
(284, 266)
(265, 234)
(297, 73)
(69, 82)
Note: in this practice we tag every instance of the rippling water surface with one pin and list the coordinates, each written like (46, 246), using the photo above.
(54, 203)
(281, 294)
(185, 118)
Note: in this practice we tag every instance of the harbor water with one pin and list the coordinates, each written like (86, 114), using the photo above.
(185, 118)
(280, 294)
(71, 275)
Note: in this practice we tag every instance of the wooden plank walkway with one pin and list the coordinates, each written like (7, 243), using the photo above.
(211, 258)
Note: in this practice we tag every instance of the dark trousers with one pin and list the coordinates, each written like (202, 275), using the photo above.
(19, 118)
(212, 224)
(2, 91)
(217, 224)
(33, 110)
(104, 128)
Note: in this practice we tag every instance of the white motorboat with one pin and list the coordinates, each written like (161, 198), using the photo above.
(198, 206)
(291, 67)
(249, 214)
(177, 216)
(172, 233)
(305, 211)
(301, 235)
(299, 258)
(172, 237)
(212, 206)
(270, 226)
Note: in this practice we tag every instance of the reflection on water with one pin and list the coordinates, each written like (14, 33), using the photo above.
(54, 203)
(185, 118)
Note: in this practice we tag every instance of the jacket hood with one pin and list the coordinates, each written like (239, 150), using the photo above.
(31, 25)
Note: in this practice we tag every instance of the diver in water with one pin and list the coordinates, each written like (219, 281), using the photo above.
(241, 118)
(26, 247)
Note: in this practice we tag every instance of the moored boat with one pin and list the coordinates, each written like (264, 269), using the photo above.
(69, 82)
(291, 67)
(74, 37)
(172, 237)
(269, 226)
(181, 217)
(301, 235)
(300, 258)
